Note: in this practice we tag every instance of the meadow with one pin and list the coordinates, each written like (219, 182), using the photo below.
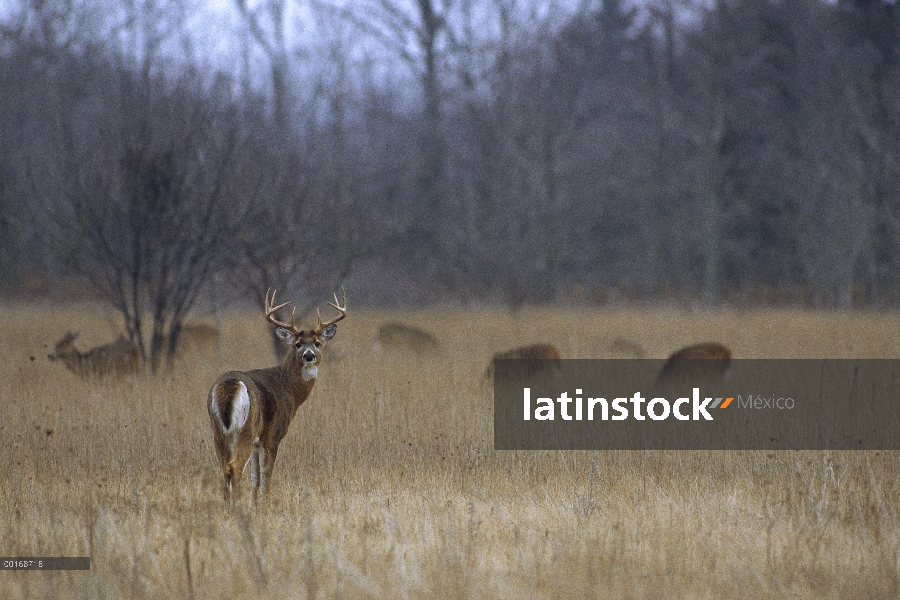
(387, 485)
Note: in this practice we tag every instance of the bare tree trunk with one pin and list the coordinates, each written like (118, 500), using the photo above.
(712, 172)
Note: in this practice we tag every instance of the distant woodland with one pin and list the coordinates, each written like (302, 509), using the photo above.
(743, 152)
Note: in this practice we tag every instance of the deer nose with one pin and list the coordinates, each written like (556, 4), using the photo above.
(309, 356)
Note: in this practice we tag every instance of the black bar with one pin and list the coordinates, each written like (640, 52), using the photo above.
(45, 563)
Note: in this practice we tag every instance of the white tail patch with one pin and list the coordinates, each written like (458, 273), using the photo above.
(240, 411)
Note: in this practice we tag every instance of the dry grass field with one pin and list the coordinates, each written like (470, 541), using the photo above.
(387, 485)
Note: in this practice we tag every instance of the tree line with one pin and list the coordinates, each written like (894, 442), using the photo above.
(452, 150)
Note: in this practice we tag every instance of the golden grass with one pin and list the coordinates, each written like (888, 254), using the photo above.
(387, 485)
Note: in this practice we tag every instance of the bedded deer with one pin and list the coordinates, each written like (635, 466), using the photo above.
(250, 411)
(535, 358)
(710, 361)
(397, 336)
(118, 358)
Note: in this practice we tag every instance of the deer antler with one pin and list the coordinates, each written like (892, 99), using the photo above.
(271, 310)
(341, 309)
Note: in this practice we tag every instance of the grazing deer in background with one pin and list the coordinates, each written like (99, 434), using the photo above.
(196, 337)
(626, 348)
(535, 352)
(251, 411)
(710, 361)
(396, 336)
(117, 358)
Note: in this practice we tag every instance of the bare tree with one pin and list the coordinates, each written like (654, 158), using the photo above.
(152, 190)
(289, 240)
(37, 41)
(267, 23)
(304, 229)
(557, 149)
(421, 35)
(700, 116)
(53, 28)
(832, 179)
(145, 27)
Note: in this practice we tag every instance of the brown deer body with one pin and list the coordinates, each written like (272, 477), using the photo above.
(709, 360)
(117, 358)
(197, 337)
(397, 336)
(626, 348)
(534, 352)
(251, 411)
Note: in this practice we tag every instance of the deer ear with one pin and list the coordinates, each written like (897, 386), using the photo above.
(284, 334)
(328, 332)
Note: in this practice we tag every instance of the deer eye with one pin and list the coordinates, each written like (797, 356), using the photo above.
(298, 344)
(318, 344)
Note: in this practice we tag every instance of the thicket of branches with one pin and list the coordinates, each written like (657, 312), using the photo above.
(474, 149)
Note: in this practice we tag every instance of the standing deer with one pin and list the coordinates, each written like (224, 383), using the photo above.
(533, 359)
(117, 358)
(250, 411)
(710, 361)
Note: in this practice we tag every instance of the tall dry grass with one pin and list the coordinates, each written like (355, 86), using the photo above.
(387, 485)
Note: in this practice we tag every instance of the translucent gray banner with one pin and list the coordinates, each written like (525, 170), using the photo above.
(46, 563)
(697, 405)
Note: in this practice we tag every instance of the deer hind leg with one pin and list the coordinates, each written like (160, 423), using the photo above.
(229, 408)
(234, 453)
(227, 477)
(228, 484)
(232, 470)
(223, 451)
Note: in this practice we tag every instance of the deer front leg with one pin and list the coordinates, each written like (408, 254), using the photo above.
(267, 465)
(262, 462)
(257, 477)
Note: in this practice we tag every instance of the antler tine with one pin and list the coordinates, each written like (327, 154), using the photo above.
(340, 309)
(335, 303)
(271, 310)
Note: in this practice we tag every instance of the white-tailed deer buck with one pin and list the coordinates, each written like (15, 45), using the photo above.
(533, 358)
(251, 411)
(397, 336)
(117, 358)
(709, 360)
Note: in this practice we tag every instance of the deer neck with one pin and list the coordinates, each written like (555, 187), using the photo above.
(301, 377)
(76, 361)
